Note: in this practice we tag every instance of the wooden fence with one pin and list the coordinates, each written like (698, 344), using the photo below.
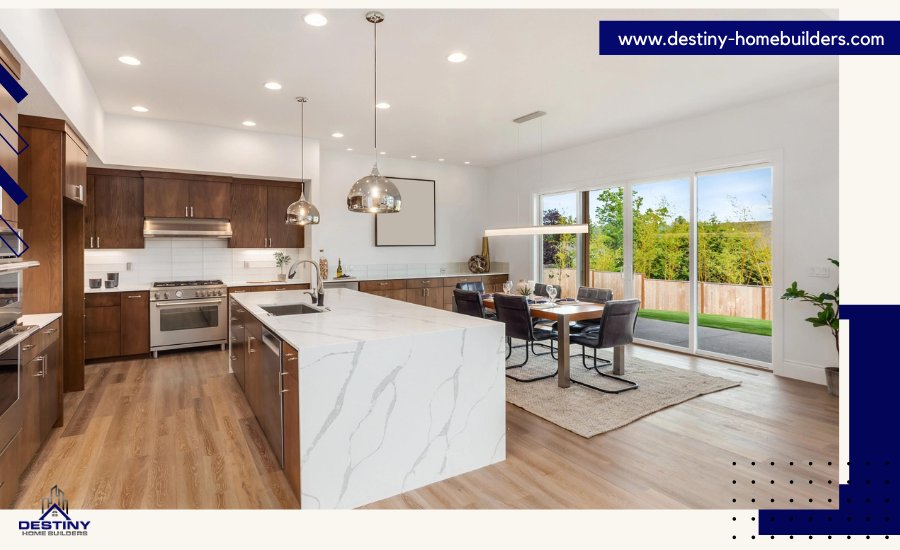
(749, 301)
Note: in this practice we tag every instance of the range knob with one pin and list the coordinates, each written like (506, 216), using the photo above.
(156, 295)
(166, 295)
(179, 294)
(201, 293)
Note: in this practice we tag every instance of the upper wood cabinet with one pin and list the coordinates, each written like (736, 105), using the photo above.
(258, 208)
(114, 211)
(169, 195)
(75, 180)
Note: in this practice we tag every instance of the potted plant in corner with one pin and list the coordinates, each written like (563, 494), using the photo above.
(281, 260)
(828, 304)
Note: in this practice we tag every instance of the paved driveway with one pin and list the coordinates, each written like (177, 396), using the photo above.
(748, 346)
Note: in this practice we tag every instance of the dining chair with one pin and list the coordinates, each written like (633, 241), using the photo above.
(469, 302)
(477, 286)
(594, 296)
(616, 328)
(513, 312)
(540, 289)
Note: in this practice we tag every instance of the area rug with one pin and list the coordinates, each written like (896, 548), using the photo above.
(588, 412)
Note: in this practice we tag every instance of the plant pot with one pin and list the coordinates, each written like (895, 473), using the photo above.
(282, 277)
(832, 379)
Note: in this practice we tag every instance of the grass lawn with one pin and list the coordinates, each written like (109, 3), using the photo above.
(736, 324)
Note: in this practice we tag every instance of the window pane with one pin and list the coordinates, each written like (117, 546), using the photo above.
(606, 245)
(559, 253)
(734, 263)
(661, 222)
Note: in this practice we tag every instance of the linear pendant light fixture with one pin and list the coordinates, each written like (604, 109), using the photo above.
(374, 194)
(302, 212)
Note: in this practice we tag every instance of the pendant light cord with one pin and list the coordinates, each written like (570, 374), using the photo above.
(375, 87)
(302, 139)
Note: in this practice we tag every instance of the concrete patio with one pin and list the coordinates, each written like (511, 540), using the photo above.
(727, 342)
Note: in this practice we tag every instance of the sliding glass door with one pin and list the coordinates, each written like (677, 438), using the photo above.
(661, 214)
(696, 250)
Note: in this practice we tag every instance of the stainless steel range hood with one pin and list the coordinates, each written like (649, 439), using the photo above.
(169, 228)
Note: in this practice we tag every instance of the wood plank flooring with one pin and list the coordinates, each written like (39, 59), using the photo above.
(176, 432)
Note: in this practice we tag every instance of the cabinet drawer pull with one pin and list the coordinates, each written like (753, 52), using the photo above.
(290, 357)
(50, 330)
(185, 212)
(234, 357)
(384, 283)
(285, 391)
(192, 211)
(27, 347)
(138, 297)
(282, 288)
(234, 338)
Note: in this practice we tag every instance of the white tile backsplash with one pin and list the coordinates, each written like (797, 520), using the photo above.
(179, 259)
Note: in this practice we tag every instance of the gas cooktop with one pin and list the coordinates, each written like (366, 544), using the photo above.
(172, 284)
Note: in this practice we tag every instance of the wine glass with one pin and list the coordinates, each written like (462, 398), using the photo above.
(551, 292)
(507, 287)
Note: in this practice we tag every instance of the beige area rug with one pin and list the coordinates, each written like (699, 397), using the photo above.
(588, 412)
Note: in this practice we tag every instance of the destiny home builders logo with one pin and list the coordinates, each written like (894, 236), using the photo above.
(54, 519)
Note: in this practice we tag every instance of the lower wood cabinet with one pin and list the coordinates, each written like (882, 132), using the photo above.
(290, 407)
(11, 467)
(116, 324)
(436, 292)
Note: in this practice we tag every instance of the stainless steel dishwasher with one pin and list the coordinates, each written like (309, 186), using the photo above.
(270, 390)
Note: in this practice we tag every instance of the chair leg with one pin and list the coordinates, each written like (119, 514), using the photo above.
(509, 344)
(630, 384)
(536, 354)
(601, 363)
(523, 363)
(517, 379)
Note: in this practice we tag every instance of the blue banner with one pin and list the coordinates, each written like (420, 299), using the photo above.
(749, 37)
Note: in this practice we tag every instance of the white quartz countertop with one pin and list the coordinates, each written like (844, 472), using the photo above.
(230, 284)
(34, 322)
(353, 317)
(421, 276)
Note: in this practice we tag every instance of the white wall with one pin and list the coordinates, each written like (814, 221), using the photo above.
(39, 39)
(461, 211)
(800, 129)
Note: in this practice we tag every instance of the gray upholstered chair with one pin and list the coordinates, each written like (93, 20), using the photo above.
(477, 286)
(594, 296)
(540, 289)
(513, 312)
(616, 328)
(468, 302)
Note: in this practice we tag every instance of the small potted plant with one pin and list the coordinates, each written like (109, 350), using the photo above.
(282, 260)
(829, 315)
(524, 288)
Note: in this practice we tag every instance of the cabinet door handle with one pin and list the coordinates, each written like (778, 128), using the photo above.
(290, 357)
(98, 242)
(27, 347)
(234, 357)
(250, 340)
(50, 330)
(92, 241)
(285, 390)
(80, 189)
(186, 212)
(192, 211)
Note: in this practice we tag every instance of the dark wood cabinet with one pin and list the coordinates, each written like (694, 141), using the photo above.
(50, 381)
(11, 466)
(169, 195)
(116, 324)
(258, 208)
(114, 213)
(8, 158)
(282, 235)
(237, 336)
(436, 292)
(290, 413)
(135, 323)
(75, 178)
(248, 216)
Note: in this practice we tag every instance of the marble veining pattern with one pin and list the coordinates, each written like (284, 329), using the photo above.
(393, 396)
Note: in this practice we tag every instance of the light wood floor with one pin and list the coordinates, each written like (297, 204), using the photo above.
(176, 432)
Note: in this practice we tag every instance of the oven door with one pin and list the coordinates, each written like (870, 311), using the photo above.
(187, 322)
(10, 405)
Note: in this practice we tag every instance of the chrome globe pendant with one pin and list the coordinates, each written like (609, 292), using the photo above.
(302, 212)
(374, 194)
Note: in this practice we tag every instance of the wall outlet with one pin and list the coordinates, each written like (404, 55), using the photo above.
(821, 271)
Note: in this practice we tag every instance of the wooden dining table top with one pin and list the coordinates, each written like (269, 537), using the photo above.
(573, 312)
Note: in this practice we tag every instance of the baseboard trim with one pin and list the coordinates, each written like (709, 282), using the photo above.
(807, 372)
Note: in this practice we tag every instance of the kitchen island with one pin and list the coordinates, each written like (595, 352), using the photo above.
(392, 396)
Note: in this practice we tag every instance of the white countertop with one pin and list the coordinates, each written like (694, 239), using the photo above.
(427, 276)
(230, 284)
(354, 317)
(35, 322)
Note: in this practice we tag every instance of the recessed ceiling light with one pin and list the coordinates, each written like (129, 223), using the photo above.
(383, 105)
(248, 123)
(440, 160)
(337, 135)
(139, 109)
(349, 148)
(412, 156)
(382, 153)
(467, 162)
(273, 86)
(128, 60)
(456, 57)
(315, 19)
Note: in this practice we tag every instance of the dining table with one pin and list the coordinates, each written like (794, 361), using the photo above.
(564, 312)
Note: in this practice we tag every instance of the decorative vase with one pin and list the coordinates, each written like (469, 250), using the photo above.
(282, 277)
(832, 379)
(486, 253)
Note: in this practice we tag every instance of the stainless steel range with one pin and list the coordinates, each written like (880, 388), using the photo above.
(185, 314)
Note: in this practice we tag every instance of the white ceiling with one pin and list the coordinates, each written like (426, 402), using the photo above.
(209, 67)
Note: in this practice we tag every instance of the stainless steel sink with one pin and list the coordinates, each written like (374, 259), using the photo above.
(290, 309)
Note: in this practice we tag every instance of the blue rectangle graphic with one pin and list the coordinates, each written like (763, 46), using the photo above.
(749, 38)
(8, 81)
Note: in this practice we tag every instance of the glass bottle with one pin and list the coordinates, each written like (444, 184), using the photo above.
(323, 264)
(340, 270)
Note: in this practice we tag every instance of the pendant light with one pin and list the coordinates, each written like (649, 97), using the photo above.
(374, 193)
(302, 212)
